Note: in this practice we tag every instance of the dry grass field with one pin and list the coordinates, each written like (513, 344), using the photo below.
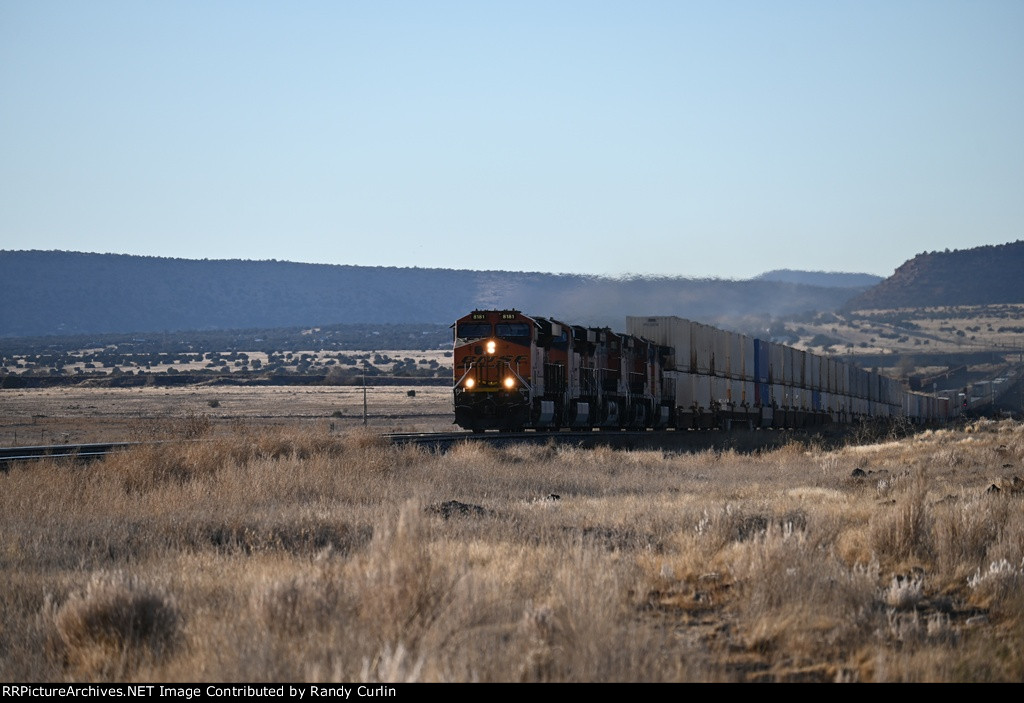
(290, 552)
(80, 414)
(948, 330)
(96, 361)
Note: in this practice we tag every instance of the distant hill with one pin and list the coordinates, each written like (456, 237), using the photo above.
(55, 292)
(825, 279)
(987, 275)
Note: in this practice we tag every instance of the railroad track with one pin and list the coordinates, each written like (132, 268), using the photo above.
(669, 440)
(78, 452)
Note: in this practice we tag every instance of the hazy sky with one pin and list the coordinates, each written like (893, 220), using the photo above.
(693, 138)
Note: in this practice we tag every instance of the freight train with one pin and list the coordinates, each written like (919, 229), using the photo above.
(513, 371)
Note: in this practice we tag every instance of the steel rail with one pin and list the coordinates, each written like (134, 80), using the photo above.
(10, 455)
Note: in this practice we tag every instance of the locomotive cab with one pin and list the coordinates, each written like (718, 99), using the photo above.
(492, 357)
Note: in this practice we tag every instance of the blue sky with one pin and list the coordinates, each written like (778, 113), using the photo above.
(701, 139)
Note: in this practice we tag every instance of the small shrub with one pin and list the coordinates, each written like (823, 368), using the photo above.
(112, 627)
(999, 580)
(904, 592)
(905, 531)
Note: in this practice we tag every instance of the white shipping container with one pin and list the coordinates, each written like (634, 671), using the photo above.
(720, 343)
(747, 345)
(735, 391)
(702, 390)
(788, 354)
(720, 391)
(775, 354)
(748, 393)
(684, 388)
(780, 395)
(800, 398)
(736, 358)
(842, 403)
(701, 348)
(668, 331)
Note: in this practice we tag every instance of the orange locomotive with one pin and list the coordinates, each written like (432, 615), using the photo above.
(513, 371)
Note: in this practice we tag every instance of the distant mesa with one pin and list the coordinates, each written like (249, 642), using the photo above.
(987, 275)
(67, 293)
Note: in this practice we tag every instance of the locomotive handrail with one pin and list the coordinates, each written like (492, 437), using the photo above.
(463, 378)
(516, 374)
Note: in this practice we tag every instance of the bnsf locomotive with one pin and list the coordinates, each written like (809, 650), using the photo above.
(513, 371)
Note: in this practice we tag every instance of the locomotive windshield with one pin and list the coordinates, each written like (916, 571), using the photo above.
(513, 331)
(473, 330)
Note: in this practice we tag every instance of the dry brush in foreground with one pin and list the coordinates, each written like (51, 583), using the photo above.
(269, 555)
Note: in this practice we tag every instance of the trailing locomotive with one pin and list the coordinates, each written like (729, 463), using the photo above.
(514, 371)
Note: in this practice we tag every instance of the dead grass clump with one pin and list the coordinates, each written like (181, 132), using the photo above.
(737, 523)
(797, 598)
(300, 603)
(402, 589)
(999, 581)
(904, 592)
(151, 466)
(473, 454)
(192, 426)
(114, 626)
(745, 527)
(304, 537)
(966, 530)
(951, 457)
(912, 630)
(530, 453)
(363, 439)
(576, 630)
(391, 666)
(293, 443)
(903, 531)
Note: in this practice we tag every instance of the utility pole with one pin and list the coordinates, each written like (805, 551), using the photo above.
(364, 400)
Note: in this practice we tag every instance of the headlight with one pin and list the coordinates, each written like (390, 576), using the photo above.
(490, 347)
(510, 383)
(470, 383)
